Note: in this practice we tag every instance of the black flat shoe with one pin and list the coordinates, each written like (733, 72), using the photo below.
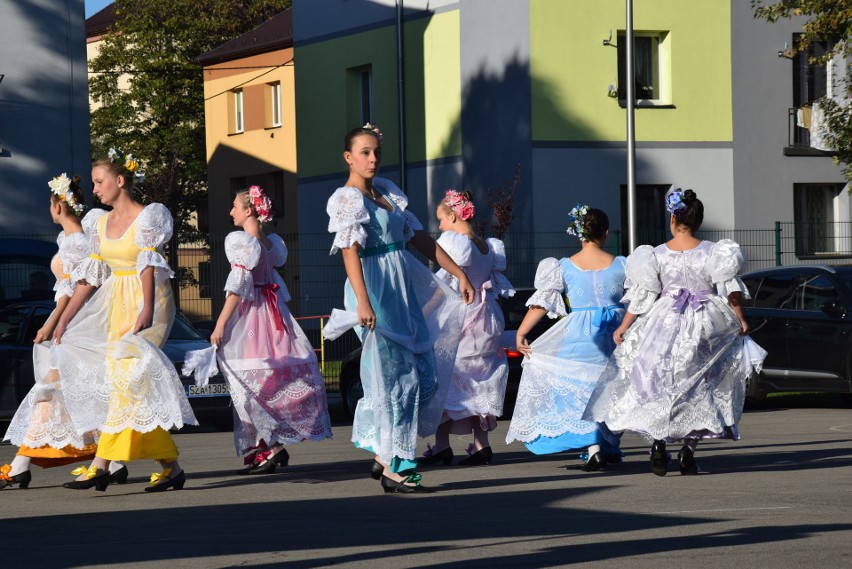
(659, 460)
(100, 482)
(391, 486)
(376, 470)
(22, 480)
(686, 460)
(166, 482)
(480, 457)
(595, 463)
(119, 476)
(445, 456)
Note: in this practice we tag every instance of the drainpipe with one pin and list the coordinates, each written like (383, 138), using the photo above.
(631, 132)
(400, 93)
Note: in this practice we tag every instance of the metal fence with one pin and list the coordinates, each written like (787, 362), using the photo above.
(315, 279)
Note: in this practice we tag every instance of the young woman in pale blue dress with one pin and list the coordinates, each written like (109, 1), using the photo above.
(561, 367)
(478, 388)
(409, 320)
(683, 356)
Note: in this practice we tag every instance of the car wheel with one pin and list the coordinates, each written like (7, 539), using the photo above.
(353, 393)
(755, 397)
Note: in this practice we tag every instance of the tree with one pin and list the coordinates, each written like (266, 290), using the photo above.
(159, 118)
(826, 20)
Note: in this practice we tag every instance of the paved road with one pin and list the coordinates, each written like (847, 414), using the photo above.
(781, 497)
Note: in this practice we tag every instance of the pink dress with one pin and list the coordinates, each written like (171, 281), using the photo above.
(271, 368)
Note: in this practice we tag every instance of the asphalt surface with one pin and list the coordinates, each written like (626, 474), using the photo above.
(780, 497)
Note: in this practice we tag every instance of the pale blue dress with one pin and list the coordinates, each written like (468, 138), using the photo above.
(567, 360)
(407, 361)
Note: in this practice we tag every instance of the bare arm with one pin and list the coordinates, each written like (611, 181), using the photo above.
(736, 301)
(352, 264)
(146, 315)
(435, 253)
(618, 335)
(46, 331)
(532, 317)
(231, 304)
(82, 292)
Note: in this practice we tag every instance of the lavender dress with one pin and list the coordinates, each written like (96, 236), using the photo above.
(682, 368)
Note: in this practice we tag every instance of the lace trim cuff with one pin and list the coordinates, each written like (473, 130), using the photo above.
(639, 300)
(501, 285)
(735, 284)
(93, 270)
(150, 257)
(550, 300)
(347, 237)
(241, 282)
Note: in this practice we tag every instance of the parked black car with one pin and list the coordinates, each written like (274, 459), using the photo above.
(801, 316)
(19, 323)
(25, 270)
(514, 310)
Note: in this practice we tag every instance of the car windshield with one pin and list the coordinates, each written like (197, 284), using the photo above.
(183, 330)
(25, 278)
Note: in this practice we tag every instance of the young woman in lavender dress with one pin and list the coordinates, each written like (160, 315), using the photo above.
(683, 357)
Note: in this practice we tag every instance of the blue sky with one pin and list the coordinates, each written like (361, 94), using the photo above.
(93, 6)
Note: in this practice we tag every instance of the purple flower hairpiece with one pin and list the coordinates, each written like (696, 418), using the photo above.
(674, 203)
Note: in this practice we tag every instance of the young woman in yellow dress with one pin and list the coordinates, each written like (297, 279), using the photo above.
(115, 377)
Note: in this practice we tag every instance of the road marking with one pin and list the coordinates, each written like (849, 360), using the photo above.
(841, 428)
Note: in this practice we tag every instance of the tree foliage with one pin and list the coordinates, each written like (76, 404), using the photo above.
(829, 20)
(159, 116)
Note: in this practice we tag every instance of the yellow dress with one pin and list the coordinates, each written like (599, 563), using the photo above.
(116, 382)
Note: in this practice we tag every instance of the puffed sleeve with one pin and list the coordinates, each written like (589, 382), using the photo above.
(549, 288)
(498, 280)
(243, 253)
(346, 216)
(279, 257)
(458, 247)
(153, 229)
(725, 262)
(400, 200)
(93, 270)
(642, 280)
(73, 250)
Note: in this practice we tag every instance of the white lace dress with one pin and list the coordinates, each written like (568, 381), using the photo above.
(480, 373)
(682, 368)
(407, 360)
(41, 426)
(270, 366)
(115, 381)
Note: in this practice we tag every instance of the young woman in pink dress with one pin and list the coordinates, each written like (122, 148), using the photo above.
(271, 368)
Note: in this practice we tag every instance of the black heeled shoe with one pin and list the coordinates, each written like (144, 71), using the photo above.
(376, 470)
(22, 480)
(479, 458)
(595, 463)
(445, 456)
(686, 460)
(391, 486)
(119, 476)
(164, 482)
(659, 459)
(99, 481)
(281, 458)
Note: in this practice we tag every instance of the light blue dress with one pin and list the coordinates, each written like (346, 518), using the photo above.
(567, 360)
(407, 360)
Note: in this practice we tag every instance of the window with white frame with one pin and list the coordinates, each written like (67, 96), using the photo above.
(239, 117)
(823, 227)
(274, 104)
(652, 68)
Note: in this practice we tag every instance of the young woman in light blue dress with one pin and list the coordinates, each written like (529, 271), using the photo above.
(408, 320)
(561, 367)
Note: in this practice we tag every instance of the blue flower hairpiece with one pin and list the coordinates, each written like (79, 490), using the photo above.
(674, 203)
(576, 217)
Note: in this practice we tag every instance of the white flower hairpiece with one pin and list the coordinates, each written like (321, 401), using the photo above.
(61, 188)
(129, 162)
(374, 128)
(577, 217)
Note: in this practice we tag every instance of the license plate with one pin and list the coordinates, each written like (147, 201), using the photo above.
(211, 390)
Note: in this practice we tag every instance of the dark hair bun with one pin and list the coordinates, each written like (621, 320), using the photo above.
(689, 197)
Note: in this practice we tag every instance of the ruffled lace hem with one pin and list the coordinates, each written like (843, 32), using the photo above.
(202, 364)
(550, 300)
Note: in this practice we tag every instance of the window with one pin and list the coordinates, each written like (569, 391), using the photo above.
(651, 68)
(11, 322)
(652, 221)
(773, 292)
(273, 105)
(822, 230)
(236, 114)
(811, 81)
(814, 291)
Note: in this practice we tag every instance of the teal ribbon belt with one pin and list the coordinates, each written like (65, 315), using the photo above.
(381, 249)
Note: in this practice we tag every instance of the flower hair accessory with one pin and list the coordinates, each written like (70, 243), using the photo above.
(374, 128)
(577, 219)
(262, 204)
(61, 187)
(129, 162)
(674, 203)
(460, 204)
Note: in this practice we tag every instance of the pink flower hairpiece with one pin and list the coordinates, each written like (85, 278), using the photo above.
(374, 128)
(262, 204)
(458, 202)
